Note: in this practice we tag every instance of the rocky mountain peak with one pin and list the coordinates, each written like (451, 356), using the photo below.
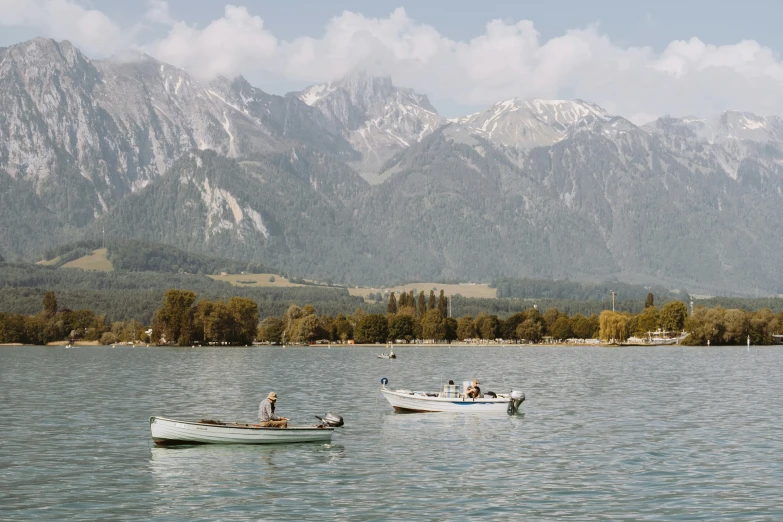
(524, 124)
(378, 118)
(361, 96)
(45, 49)
(729, 126)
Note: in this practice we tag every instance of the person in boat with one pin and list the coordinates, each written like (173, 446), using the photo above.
(473, 390)
(266, 413)
(391, 354)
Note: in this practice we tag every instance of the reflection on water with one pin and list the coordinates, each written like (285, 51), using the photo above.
(227, 479)
(647, 433)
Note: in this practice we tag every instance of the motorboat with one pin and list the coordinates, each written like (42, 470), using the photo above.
(390, 355)
(451, 400)
(166, 432)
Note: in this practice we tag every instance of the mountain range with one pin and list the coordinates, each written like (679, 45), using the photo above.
(361, 181)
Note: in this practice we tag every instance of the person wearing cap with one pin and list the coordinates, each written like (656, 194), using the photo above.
(266, 413)
(473, 390)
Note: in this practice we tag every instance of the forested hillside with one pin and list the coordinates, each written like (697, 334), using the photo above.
(124, 295)
(543, 289)
(143, 256)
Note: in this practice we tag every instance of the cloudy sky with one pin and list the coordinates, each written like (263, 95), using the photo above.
(637, 59)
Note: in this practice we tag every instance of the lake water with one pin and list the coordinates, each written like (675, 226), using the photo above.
(665, 433)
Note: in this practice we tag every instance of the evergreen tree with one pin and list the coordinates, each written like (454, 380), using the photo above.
(431, 304)
(391, 308)
(403, 302)
(650, 301)
(451, 328)
(421, 308)
(49, 304)
(443, 304)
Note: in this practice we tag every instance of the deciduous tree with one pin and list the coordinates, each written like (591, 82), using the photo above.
(465, 328)
(372, 328)
(613, 326)
(673, 315)
(432, 325)
(402, 327)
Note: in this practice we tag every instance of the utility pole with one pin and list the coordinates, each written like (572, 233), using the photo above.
(613, 294)
(691, 305)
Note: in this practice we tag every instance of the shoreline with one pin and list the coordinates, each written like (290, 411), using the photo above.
(383, 347)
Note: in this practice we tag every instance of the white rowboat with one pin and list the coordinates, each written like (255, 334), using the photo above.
(406, 401)
(169, 432)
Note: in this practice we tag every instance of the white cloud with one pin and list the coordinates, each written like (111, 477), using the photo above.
(228, 46)
(509, 59)
(158, 12)
(88, 29)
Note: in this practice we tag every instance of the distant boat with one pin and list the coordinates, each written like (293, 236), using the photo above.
(407, 401)
(657, 338)
(390, 355)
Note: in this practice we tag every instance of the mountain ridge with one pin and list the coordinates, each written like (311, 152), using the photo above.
(363, 181)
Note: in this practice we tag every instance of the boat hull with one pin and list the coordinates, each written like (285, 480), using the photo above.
(405, 402)
(166, 432)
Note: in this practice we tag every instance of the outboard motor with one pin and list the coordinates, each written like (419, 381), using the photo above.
(517, 398)
(330, 420)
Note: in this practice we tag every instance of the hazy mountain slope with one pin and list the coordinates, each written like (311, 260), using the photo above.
(452, 210)
(261, 210)
(106, 128)
(378, 118)
(26, 224)
(541, 188)
(661, 220)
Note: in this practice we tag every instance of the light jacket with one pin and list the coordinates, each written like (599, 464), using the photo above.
(265, 411)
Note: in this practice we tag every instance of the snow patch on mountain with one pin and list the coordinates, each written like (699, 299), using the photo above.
(377, 118)
(525, 124)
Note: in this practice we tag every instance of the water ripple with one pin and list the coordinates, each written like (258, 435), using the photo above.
(606, 434)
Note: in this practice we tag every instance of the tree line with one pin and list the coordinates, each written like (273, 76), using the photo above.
(56, 323)
(184, 319)
(181, 320)
(123, 295)
(412, 317)
(706, 326)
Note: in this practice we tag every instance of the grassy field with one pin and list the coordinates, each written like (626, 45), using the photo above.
(96, 261)
(250, 280)
(465, 290)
